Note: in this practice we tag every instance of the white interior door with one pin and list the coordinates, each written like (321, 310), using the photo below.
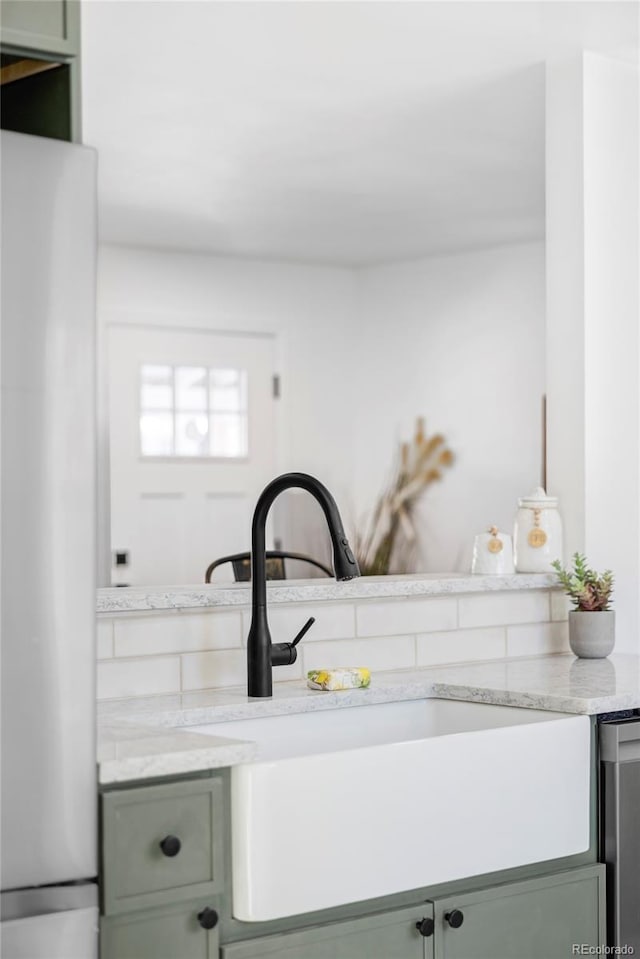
(192, 443)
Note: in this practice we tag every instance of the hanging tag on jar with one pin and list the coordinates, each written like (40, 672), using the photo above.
(537, 537)
(494, 545)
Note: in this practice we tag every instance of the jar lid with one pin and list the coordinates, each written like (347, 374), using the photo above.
(538, 499)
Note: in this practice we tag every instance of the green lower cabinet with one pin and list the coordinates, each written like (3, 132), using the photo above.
(542, 918)
(166, 894)
(389, 935)
(161, 844)
(173, 932)
(537, 919)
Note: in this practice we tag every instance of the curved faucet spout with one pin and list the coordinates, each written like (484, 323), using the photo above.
(262, 655)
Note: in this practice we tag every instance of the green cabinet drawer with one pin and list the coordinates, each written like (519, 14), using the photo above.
(537, 919)
(388, 935)
(137, 871)
(42, 26)
(167, 933)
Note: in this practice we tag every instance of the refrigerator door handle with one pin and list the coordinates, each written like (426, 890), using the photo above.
(25, 903)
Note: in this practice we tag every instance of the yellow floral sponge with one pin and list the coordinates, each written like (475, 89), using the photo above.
(332, 679)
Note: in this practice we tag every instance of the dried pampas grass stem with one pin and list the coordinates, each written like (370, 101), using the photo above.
(390, 537)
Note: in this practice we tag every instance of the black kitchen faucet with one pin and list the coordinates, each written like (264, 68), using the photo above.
(262, 654)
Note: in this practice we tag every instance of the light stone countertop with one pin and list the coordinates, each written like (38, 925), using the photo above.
(135, 598)
(148, 737)
(130, 752)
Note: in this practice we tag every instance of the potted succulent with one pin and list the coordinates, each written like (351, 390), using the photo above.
(590, 637)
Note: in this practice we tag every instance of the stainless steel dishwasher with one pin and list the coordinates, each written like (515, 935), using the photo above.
(620, 825)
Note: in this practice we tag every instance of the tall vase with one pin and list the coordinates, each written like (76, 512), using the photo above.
(592, 635)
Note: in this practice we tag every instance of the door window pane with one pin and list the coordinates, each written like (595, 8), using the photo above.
(229, 434)
(228, 390)
(193, 411)
(156, 434)
(192, 434)
(156, 387)
(191, 388)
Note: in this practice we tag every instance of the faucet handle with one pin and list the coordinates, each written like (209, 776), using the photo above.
(284, 654)
(305, 629)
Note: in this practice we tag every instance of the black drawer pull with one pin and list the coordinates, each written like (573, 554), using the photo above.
(455, 918)
(425, 927)
(170, 846)
(208, 918)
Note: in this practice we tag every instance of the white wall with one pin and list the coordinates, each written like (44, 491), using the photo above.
(565, 297)
(460, 340)
(309, 308)
(612, 320)
(593, 311)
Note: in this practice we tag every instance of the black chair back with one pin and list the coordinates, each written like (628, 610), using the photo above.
(275, 562)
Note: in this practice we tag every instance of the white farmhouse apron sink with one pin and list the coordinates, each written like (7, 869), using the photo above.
(350, 804)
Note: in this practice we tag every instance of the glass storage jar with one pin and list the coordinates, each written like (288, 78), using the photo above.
(537, 534)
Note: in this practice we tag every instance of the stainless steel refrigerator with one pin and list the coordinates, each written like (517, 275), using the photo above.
(48, 857)
(620, 826)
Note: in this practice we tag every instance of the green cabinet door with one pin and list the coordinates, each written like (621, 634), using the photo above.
(34, 35)
(389, 935)
(172, 932)
(41, 26)
(537, 919)
(139, 869)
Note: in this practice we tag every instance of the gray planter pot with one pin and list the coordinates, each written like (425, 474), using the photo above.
(592, 635)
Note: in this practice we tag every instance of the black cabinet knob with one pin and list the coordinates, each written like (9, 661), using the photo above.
(170, 845)
(208, 918)
(425, 927)
(455, 918)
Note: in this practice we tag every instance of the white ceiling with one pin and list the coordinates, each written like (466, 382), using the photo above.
(336, 132)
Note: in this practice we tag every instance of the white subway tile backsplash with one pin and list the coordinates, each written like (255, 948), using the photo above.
(536, 639)
(177, 633)
(222, 668)
(559, 606)
(405, 616)
(209, 646)
(460, 646)
(501, 609)
(138, 677)
(104, 638)
(335, 621)
(389, 652)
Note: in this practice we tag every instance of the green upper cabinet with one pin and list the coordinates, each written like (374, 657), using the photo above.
(44, 26)
(40, 66)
